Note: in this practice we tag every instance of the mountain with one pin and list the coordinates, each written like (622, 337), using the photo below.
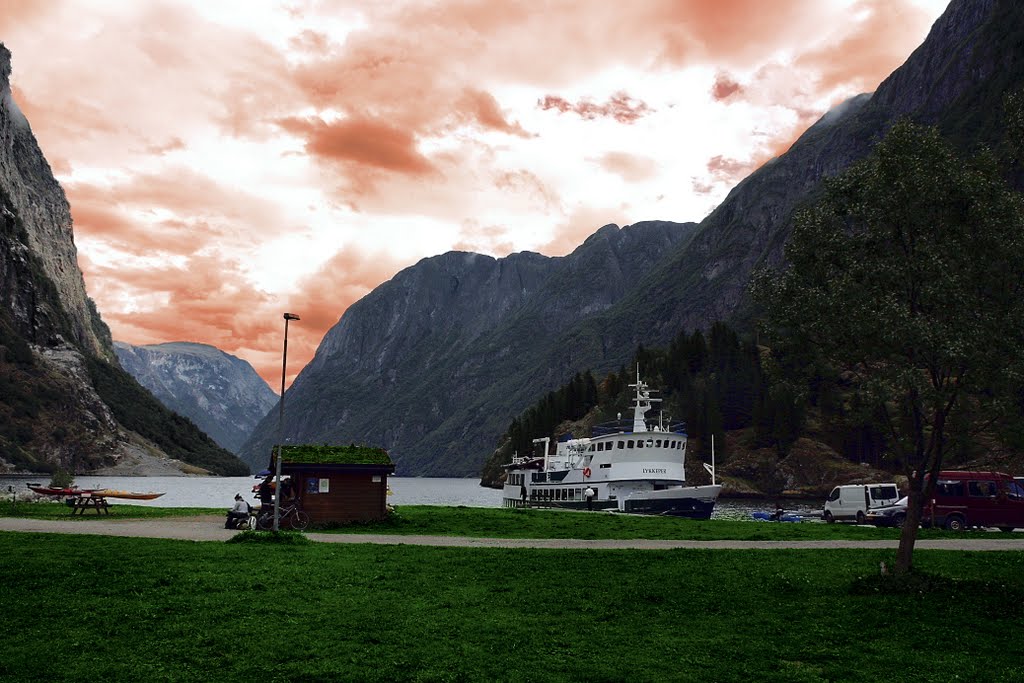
(956, 79)
(404, 369)
(220, 393)
(64, 400)
(393, 371)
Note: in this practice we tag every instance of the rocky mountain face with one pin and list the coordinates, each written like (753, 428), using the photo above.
(399, 370)
(956, 79)
(408, 366)
(33, 194)
(64, 400)
(220, 393)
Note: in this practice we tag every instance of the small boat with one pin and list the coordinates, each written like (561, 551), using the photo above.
(770, 517)
(129, 495)
(625, 467)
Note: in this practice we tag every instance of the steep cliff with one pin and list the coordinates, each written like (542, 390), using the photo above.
(403, 365)
(64, 400)
(220, 393)
(38, 199)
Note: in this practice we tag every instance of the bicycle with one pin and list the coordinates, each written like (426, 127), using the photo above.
(291, 515)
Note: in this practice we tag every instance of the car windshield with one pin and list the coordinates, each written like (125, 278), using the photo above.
(901, 503)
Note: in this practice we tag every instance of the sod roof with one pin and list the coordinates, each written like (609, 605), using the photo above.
(335, 455)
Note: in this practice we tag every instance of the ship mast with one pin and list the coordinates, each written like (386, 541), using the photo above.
(643, 403)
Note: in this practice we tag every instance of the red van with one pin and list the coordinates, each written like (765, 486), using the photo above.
(975, 499)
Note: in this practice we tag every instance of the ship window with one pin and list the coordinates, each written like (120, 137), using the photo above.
(579, 493)
(570, 494)
(606, 464)
(680, 445)
(629, 444)
(591, 449)
(657, 443)
(622, 444)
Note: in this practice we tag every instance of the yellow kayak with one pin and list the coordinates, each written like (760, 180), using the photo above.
(131, 495)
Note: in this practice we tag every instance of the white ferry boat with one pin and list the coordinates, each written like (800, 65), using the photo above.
(638, 470)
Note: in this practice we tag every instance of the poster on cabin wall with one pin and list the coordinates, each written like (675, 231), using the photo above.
(325, 486)
(312, 486)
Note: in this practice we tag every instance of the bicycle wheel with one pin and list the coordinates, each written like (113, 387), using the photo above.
(265, 521)
(299, 520)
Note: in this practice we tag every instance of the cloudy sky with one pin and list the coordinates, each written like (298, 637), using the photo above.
(230, 160)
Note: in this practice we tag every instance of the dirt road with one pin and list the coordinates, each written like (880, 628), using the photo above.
(211, 528)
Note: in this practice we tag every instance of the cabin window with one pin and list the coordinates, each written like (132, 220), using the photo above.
(629, 444)
(622, 444)
(657, 443)
(570, 494)
(591, 449)
(680, 445)
(605, 465)
(579, 493)
(650, 443)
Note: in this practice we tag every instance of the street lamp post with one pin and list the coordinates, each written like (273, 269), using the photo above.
(280, 424)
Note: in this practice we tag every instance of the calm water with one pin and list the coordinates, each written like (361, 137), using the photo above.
(213, 492)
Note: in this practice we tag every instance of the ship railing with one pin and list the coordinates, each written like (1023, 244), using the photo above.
(626, 427)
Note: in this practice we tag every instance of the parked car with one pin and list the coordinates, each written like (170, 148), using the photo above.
(975, 499)
(888, 515)
(851, 502)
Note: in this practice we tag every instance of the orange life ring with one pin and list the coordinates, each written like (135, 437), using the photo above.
(586, 471)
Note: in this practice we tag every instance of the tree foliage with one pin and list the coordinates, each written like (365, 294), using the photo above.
(906, 278)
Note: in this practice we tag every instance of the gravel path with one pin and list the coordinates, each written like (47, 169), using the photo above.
(211, 528)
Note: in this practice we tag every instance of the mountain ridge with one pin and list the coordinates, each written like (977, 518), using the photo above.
(221, 393)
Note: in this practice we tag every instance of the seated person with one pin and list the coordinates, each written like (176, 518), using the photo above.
(236, 514)
(266, 494)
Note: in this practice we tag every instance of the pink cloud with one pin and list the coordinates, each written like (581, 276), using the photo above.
(630, 167)
(619, 106)
(724, 86)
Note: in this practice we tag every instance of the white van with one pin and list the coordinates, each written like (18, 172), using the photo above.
(852, 501)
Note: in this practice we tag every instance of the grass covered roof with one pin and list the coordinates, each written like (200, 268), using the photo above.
(335, 455)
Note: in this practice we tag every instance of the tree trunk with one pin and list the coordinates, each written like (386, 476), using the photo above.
(908, 537)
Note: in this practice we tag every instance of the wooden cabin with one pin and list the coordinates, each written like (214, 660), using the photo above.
(339, 483)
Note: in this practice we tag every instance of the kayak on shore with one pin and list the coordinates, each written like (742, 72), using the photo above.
(59, 490)
(130, 495)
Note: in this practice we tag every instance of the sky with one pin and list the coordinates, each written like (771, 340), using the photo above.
(230, 160)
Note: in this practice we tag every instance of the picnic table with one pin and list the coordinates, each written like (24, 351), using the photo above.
(79, 504)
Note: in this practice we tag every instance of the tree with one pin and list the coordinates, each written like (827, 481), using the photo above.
(908, 276)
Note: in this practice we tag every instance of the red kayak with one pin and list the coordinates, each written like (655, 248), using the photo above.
(54, 491)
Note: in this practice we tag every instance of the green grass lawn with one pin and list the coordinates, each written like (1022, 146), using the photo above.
(532, 523)
(107, 608)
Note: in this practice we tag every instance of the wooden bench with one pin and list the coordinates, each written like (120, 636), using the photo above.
(79, 504)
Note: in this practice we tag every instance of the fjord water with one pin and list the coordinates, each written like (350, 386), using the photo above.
(215, 492)
(212, 492)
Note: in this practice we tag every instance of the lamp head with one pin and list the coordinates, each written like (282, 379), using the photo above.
(290, 316)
